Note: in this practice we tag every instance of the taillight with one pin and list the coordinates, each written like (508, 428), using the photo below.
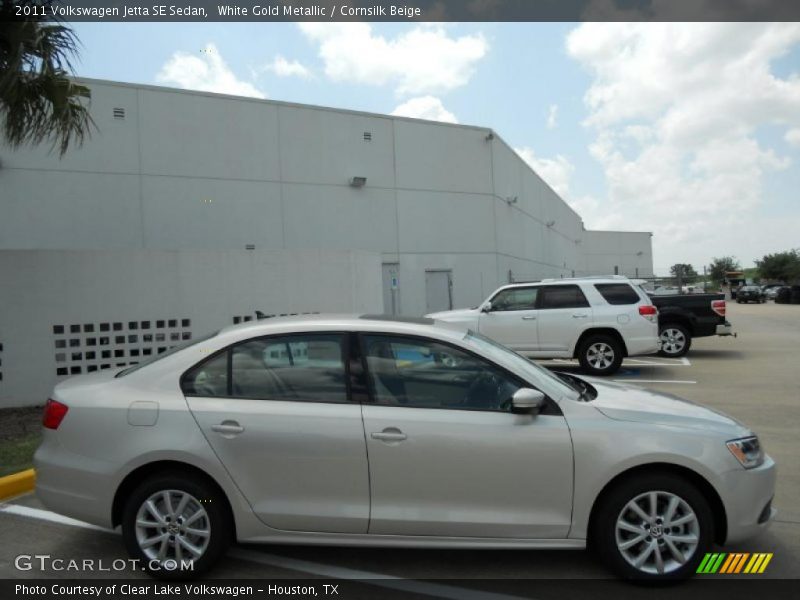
(649, 312)
(54, 413)
(718, 306)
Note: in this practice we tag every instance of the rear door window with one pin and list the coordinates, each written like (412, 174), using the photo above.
(306, 368)
(617, 293)
(562, 296)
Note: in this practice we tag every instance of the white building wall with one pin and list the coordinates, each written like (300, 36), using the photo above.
(197, 171)
(201, 290)
(630, 251)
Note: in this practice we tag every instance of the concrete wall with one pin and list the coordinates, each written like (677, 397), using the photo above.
(200, 291)
(190, 170)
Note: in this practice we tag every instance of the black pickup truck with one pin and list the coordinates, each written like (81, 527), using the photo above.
(682, 317)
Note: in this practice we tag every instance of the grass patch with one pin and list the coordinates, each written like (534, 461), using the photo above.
(17, 454)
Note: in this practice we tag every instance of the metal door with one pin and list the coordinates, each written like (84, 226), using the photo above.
(391, 288)
(438, 290)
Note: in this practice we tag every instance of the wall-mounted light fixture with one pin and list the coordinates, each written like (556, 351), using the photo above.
(511, 200)
(550, 223)
(490, 136)
(358, 182)
(639, 253)
(250, 247)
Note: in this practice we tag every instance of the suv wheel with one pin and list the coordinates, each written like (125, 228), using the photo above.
(675, 340)
(600, 355)
(653, 529)
(176, 526)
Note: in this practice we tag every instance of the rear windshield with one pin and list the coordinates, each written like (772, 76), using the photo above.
(169, 352)
(618, 293)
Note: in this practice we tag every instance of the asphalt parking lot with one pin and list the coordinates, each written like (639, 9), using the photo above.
(754, 378)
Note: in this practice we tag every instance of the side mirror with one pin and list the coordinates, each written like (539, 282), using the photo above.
(526, 401)
(486, 306)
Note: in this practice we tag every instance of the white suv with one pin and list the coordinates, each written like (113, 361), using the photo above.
(598, 320)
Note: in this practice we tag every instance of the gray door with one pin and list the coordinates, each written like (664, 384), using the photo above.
(391, 288)
(438, 290)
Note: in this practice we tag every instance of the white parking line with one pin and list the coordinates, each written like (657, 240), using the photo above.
(46, 515)
(637, 380)
(637, 362)
(294, 564)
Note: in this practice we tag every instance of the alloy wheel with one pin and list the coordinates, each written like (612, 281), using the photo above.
(672, 341)
(657, 532)
(172, 526)
(600, 355)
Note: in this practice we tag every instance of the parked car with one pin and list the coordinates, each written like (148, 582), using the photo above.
(772, 292)
(370, 431)
(750, 293)
(681, 318)
(784, 295)
(598, 320)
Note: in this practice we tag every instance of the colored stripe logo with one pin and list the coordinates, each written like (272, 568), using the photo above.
(734, 563)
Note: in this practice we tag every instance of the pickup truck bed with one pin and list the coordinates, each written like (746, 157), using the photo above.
(682, 317)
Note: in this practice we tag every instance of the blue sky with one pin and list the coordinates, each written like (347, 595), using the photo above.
(691, 131)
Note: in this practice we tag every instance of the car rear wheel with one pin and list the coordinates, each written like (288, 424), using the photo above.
(600, 355)
(675, 340)
(653, 529)
(177, 526)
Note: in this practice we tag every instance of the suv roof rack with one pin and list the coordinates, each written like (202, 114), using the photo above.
(587, 277)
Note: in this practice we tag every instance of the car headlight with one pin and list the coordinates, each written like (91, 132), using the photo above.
(747, 451)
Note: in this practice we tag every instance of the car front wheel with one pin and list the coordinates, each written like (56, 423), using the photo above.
(654, 529)
(177, 526)
(675, 340)
(600, 355)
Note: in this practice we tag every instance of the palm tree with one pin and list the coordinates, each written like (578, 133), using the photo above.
(38, 100)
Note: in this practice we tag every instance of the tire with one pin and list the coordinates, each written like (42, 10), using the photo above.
(675, 340)
(600, 355)
(204, 509)
(620, 535)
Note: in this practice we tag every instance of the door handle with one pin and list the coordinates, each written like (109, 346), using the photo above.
(528, 318)
(579, 315)
(390, 434)
(228, 428)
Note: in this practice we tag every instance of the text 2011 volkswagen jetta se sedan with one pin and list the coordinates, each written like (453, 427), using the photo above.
(370, 431)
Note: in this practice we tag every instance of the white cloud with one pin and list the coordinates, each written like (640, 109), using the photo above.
(675, 108)
(793, 137)
(206, 72)
(421, 60)
(425, 107)
(552, 116)
(286, 68)
(555, 171)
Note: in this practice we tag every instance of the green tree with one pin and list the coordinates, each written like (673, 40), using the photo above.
(720, 265)
(684, 271)
(38, 100)
(781, 266)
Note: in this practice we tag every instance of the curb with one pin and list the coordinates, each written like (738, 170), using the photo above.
(17, 483)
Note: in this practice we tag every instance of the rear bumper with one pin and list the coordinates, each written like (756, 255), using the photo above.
(747, 495)
(73, 485)
(725, 329)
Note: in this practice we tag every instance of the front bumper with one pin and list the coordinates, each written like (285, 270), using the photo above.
(725, 329)
(747, 495)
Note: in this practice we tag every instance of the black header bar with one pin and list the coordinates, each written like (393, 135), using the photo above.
(405, 10)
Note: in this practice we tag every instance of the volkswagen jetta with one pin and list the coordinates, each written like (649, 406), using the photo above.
(376, 431)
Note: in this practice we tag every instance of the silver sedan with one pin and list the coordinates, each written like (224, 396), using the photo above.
(376, 431)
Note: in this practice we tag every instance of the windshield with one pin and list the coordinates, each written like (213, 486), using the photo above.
(170, 352)
(492, 349)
